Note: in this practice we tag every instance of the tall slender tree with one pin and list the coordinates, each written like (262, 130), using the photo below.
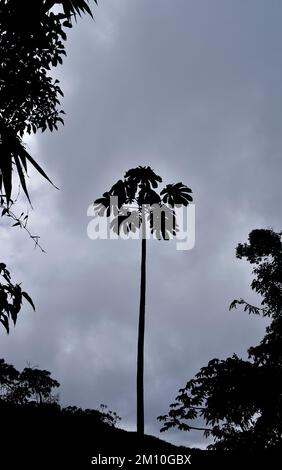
(133, 204)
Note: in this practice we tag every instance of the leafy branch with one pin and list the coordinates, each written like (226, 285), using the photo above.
(247, 307)
(11, 297)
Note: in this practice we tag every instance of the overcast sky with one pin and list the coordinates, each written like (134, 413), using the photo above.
(192, 88)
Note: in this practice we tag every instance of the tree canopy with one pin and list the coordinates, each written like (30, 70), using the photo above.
(32, 42)
(134, 201)
(30, 393)
(31, 384)
(239, 400)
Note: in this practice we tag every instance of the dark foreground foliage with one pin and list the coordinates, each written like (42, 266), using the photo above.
(240, 401)
(32, 42)
(39, 433)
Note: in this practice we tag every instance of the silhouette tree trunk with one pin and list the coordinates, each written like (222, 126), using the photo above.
(141, 333)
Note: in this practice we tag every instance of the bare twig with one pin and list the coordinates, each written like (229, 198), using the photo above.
(21, 221)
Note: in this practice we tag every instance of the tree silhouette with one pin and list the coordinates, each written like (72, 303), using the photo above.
(31, 391)
(37, 385)
(32, 40)
(31, 384)
(239, 400)
(135, 205)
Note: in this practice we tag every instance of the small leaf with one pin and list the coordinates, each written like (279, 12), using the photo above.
(28, 298)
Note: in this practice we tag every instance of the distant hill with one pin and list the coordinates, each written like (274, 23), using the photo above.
(46, 436)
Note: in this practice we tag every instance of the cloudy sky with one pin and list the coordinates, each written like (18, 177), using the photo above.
(192, 88)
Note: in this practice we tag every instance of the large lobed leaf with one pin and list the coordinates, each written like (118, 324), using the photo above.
(177, 194)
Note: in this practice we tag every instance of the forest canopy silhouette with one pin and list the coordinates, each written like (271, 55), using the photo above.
(31, 394)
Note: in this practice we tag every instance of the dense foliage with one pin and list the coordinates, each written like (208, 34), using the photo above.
(134, 203)
(30, 393)
(241, 400)
(32, 41)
